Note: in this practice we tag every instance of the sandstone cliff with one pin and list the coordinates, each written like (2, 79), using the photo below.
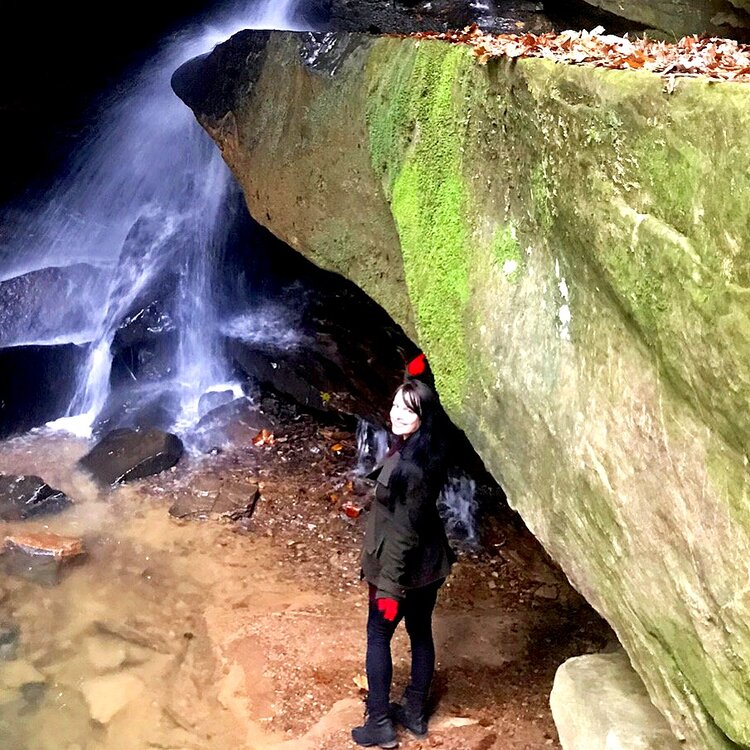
(570, 246)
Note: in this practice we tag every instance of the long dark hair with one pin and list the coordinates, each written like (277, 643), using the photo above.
(425, 448)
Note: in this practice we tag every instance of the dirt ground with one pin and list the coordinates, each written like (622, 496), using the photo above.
(292, 642)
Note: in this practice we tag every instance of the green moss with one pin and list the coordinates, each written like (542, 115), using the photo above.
(722, 692)
(729, 479)
(673, 177)
(542, 198)
(415, 120)
(506, 252)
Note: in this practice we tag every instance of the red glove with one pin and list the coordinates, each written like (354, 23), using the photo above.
(389, 608)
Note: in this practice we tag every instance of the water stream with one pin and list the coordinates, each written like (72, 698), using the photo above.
(140, 203)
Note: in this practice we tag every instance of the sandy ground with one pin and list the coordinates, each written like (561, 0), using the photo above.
(213, 631)
(292, 636)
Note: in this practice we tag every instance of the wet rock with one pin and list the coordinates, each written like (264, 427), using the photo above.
(15, 675)
(137, 634)
(145, 344)
(218, 426)
(147, 361)
(237, 500)
(232, 499)
(191, 505)
(213, 400)
(193, 82)
(22, 497)
(124, 455)
(55, 303)
(105, 653)
(39, 556)
(9, 641)
(109, 694)
(138, 408)
(405, 16)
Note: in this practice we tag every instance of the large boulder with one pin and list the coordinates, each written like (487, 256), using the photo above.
(599, 703)
(680, 17)
(51, 305)
(404, 16)
(124, 455)
(569, 247)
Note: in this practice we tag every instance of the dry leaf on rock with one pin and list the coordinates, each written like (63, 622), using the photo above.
(714, 58)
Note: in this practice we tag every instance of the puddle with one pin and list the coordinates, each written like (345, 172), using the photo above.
(119, 655)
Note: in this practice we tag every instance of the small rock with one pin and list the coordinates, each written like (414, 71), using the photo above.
(40, 556)
(547, 592)
(109, 694)
(22, 497)
(9, 637)
(123, 455)
(106, 654)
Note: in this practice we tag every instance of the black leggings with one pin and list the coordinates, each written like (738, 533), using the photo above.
(416, 610)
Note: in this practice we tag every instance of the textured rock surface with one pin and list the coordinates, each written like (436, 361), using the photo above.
(568, 245)
(680, 17)
(124, 455)
(599, 702)
(22, 497)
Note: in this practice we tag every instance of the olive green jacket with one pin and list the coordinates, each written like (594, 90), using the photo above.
(405, 547)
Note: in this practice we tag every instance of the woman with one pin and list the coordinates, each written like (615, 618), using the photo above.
(406, 558)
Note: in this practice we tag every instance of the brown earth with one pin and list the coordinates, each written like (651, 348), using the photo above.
(506, 619)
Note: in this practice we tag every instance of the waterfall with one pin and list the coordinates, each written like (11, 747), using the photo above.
(142, 197)
(457, 502)
(372, 445)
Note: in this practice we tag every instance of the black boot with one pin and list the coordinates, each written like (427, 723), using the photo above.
(410, 713)
(377, 730)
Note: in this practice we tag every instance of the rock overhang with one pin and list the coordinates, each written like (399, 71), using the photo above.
(568, 246)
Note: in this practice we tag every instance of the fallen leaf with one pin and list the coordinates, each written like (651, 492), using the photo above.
(360, 681)
(691, 56)
(264, 437)
(351, 510)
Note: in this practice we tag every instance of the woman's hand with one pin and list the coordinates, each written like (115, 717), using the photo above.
(389, 608)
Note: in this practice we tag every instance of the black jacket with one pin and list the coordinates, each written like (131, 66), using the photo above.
(405, 543)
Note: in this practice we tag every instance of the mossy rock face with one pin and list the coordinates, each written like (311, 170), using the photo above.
(569, 245)
(680, 17)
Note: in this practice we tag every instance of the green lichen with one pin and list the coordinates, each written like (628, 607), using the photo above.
(415, 120)
(723, 695)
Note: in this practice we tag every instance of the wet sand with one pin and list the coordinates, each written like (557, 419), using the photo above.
(177, 633)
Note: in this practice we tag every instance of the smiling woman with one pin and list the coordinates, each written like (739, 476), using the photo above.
(405, 560)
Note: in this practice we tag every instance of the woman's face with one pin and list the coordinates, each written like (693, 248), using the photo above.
(403, 420)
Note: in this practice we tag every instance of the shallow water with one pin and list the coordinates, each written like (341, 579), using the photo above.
(119, 654)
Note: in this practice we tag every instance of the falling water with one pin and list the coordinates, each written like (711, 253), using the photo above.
(458, 507)
(457, 502)
(141, 197)
(372, 445)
